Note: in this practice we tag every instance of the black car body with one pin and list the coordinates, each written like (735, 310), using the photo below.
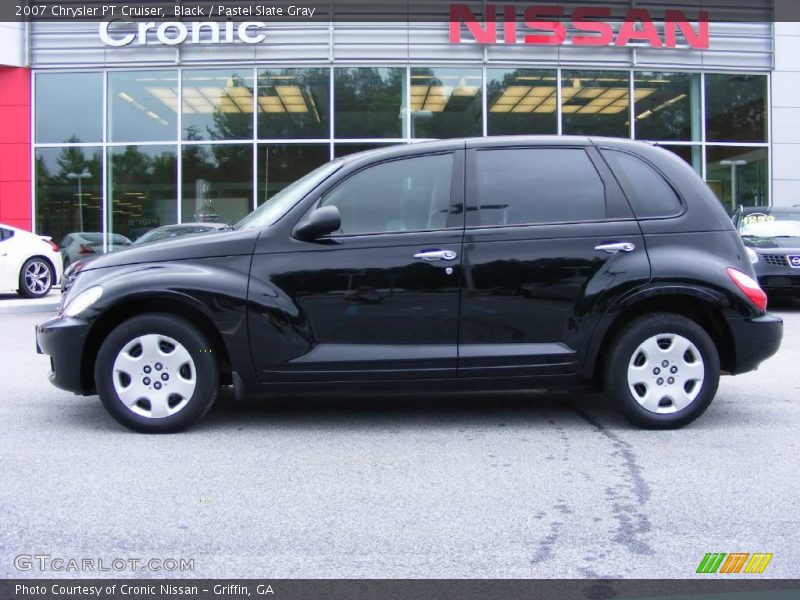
(773, 236)
(159, 234)
(521, 262)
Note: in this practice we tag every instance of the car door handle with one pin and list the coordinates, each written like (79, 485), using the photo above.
(614, 247)
(434, 255)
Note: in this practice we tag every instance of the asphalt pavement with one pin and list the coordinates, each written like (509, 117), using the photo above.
(474, 485)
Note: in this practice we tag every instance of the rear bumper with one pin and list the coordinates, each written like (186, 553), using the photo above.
(755, 340)
(63, 339)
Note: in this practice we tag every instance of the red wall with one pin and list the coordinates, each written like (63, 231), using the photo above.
(15, 147)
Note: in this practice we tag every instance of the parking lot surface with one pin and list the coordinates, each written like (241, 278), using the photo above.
(474, 485)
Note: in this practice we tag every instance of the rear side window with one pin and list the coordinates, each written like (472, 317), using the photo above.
(522, 186)
(649, 193)
(5, 234)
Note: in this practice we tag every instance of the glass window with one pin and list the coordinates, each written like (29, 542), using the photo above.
(69, 191)
(143, 189)
(648, 192)
(142, 106)
(217, 183)
(446, 102)
(293, 103)
(667, 106)
(411, 194)
(69, 107)
(736, 108)
(538, 185)
(595, 103)
(522, 101)
(282, 164)
(738, 175)
(369, 102)
(217, 104)
(693, 155)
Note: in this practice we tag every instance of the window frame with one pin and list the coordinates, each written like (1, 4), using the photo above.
(626, 193)
(455, 218)
(617, 207)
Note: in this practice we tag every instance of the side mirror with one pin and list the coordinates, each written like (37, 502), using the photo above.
(320, 222)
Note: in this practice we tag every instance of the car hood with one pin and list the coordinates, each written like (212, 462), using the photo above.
(781, 243)
(207, 245)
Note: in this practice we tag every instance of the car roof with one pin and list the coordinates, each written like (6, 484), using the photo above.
(770, 209)
(414, 148)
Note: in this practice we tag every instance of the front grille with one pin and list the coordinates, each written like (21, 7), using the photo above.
(776, 260)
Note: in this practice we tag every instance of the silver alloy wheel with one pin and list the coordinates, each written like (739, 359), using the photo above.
(666, 373)
(37, 277)
(154, 376)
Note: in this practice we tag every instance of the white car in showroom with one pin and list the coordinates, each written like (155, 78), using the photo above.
(29, 264)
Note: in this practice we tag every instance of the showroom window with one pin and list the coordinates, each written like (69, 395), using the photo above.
(281, 164)
(69, 107)
(736, 108)
(69, 190)
(217, 104)
(738, 176)
(667, 106)
(275, 123)
(217, 183)
(595, 103)
(142, 106)
(293, 103)
(522, 101)
(446, 102)
(369, 102)
(142, 186)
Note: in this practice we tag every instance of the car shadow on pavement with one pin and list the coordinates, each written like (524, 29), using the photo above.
(528, 408)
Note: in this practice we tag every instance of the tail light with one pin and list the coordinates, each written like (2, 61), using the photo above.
(749, 287)
(84, 249)
(53, 245)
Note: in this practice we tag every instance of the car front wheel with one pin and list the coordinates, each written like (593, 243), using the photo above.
(662, 371)
(35, 278)
(157, 374)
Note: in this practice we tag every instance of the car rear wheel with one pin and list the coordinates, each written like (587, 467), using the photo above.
(662, 371)
(157, 374)
(35, 278)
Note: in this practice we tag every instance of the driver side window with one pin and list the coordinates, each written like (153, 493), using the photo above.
(411, 194)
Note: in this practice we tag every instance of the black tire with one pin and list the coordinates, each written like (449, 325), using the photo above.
(25, 289)
(206, 372)
(621, 354)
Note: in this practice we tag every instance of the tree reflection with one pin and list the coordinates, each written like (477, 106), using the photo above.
(369, 102)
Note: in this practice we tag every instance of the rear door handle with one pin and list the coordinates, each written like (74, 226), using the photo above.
(434, 255)
(614, 247)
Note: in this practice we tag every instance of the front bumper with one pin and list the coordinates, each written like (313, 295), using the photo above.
(64, 339)
(755, 340)
(777, 277)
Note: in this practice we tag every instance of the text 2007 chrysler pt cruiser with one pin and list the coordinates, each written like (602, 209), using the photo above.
(526, 262)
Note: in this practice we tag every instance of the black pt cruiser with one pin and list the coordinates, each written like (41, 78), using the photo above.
(520, 262)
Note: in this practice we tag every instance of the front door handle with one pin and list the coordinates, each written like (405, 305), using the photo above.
(434, 255)
(614, 247)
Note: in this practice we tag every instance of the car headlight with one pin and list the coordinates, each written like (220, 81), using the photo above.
(83, 301)
(752, 255)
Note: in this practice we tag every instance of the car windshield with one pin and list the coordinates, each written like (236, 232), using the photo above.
(277, 206)
(774, 224)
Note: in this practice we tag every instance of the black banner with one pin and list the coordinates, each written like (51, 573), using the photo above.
(387, 10)
(441, 589)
